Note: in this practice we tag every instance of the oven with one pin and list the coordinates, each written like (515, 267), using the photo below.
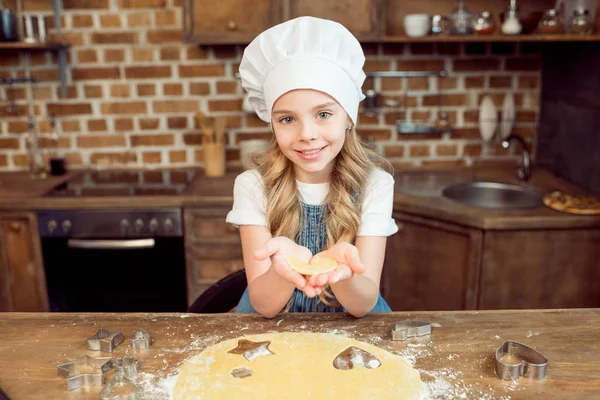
(115, 260)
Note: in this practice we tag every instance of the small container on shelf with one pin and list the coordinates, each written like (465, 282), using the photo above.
(512, 24)
(439, 25)
(581, 23)
(483, 24)
(550, 23)
(460, 20)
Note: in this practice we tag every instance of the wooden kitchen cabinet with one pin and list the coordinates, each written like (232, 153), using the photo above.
(22, 279)
(431, 265)
(228, 21)
(213, 248)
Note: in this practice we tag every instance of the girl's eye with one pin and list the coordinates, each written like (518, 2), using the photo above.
(324, 115)
(286, 120)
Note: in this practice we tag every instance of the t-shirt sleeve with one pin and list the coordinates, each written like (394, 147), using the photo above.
(376, 219)
(249, 203)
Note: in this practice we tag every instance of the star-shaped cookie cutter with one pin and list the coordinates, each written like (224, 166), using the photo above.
(105, 340)
(410, 328)
(76, 379)
(140, 340)
(121, 388)
(515, 359)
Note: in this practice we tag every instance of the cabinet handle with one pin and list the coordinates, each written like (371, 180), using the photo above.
(15, 227)
(232, 26)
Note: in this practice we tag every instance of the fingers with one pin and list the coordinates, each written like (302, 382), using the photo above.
(352, 258)
(289, 274)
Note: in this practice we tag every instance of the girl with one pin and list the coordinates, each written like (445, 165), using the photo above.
(315, 192)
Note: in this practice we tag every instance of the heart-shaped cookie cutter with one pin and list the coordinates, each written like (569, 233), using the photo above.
(410, 328)
(531, 363)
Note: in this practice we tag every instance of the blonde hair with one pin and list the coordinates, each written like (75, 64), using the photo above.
(347, 182)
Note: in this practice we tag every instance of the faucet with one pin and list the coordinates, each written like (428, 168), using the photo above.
(524, 169)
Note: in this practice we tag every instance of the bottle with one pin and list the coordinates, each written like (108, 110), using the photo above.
(511, 24)
(580, 22)
(550, 23)
(57, 161)
(37, 167)
(461, 20)
(484, 24)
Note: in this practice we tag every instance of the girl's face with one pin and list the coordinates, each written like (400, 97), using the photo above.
(310, 128)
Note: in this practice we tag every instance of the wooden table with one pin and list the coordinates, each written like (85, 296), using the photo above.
(455, 361)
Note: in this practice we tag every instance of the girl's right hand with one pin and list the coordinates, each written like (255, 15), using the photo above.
(279, 249)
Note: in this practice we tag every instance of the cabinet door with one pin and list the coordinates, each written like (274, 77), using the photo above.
(430, 265)
(22, 279)
(361, 17)
(213, 249)
(228, 21)
(541, 269)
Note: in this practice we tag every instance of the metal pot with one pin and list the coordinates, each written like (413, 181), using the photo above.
(8, 25)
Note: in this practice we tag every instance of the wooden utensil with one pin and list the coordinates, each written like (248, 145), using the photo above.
(213, 143)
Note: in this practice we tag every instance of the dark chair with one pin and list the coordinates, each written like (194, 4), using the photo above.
(222, 296)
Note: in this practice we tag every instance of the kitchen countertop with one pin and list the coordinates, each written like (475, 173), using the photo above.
(455, 361)
(418, 192)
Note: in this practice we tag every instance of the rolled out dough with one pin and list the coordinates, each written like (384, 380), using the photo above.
(300, 368)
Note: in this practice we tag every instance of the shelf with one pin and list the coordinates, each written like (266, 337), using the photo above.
(492, 38)
(22, 46)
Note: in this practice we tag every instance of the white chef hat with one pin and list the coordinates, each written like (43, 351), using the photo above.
(303, 53)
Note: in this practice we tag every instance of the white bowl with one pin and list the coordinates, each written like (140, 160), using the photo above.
(417, 25)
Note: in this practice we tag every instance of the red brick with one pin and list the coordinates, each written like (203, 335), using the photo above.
(393, 151)
(526, 116)
(139, 19)
(166, 139)
(87, 56)
(177, 123)
(142, 3)
(166, 18)
(19, 160)
(152, 157)
(188, 71)
(114, 38)
(225, 105)
(241, 136)
(476, 64)
(192, 139)
(391, 84)
(500, 81)
(69, 109)
(446, 100)
(123, 124)
(173, 106)
(498, 98)
(98, 73)
(366, 119)
(445, 163)
(96, 125)
(165, 36)
(132, 107)
(93, 91)
(421, 65)
(17, 127)
(86, 141)
(528, 82)
(199, 88)
(393, 48)
(523, 64)
(82, 21)
(466, 133)
(226, 87)
(150, 72)
(85, 5)
(44, 75)
(471, 116)
(473, 82)
(120, 90)
(143, 55)
(196, 53)
(146, 89)
(447, 83)
(376, 65)
(472, 150)
(113, 158)
(420, 115)
(74, 158)
(149, 123)
(446, 150)
(177, 156)
(9, 143)
(75, 39)
(70, 125)
(391, 117)
(376, 134)
(418, 83)
(448, 49)
(419, 150)
(44, 93)
(170, 54)
(114, 55)
(110, 21)
(172, 89)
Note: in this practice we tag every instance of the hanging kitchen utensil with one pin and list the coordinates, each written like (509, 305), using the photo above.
(488, 118)
(508, 115)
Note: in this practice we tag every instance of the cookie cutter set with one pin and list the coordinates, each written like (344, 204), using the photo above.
(77, 373)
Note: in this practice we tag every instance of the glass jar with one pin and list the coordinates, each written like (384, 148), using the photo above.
(580, 22)
(484, 24)
(460, 20)
(550, 23)
(37, 162)
(439, 24)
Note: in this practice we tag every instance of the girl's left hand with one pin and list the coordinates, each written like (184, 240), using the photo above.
(349, 263)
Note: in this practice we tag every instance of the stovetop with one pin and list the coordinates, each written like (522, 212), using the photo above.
(116, 183)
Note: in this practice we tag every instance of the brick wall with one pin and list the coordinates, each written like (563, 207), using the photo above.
(135, 87)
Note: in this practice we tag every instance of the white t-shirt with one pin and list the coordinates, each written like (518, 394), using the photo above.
(249, 202)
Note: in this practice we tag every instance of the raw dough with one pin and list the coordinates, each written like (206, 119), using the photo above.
(300, 368)
(320, 266)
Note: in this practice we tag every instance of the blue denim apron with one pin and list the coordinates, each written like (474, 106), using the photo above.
(314, 237)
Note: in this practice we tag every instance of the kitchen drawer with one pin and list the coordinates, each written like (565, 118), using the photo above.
(209, 224)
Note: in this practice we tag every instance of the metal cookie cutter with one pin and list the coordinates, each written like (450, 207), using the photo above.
(140, 340)
(121, 388)
(410, 328)
(515, 359)
(126, 366)
(105, 340)
(76, 379)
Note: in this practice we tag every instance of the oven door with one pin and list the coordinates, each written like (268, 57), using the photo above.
(115, 275)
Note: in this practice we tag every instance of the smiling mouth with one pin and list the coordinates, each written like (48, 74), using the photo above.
(310, 152)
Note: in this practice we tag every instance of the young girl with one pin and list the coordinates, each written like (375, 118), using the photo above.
(315, 193)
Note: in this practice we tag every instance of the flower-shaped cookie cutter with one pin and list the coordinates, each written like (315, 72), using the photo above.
(76, 379)
(515, 359)
(105, 340)
(140, 340)
(410, 328)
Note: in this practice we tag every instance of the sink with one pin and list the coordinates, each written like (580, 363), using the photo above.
(495, 195)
